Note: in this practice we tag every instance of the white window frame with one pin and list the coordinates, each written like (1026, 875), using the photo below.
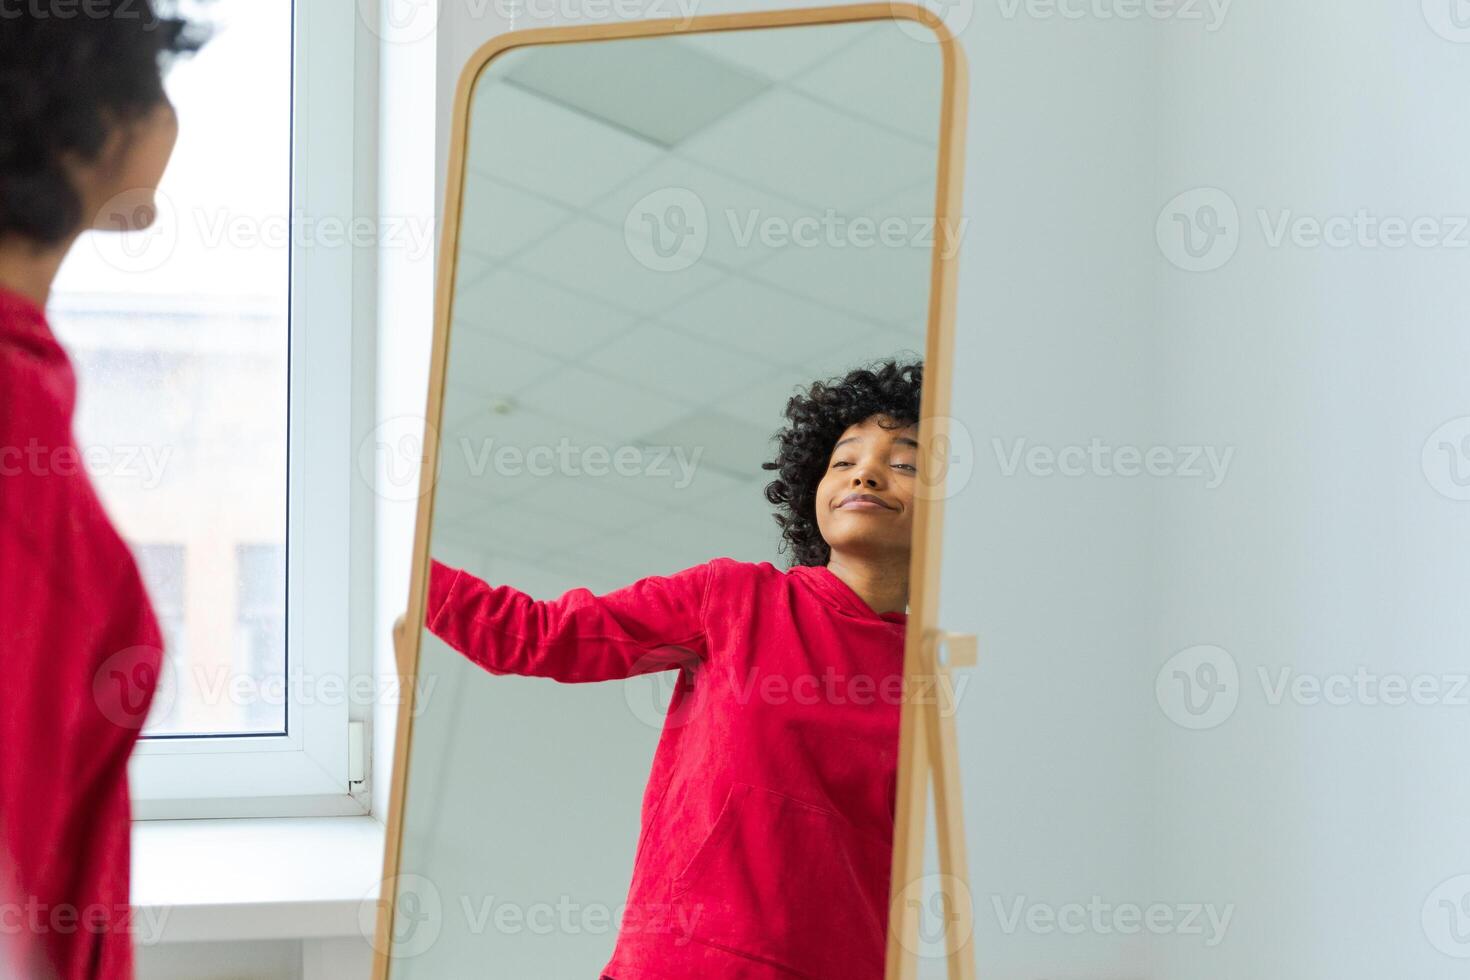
(306, 773)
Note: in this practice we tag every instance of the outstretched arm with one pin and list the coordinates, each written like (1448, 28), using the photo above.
(654, 624)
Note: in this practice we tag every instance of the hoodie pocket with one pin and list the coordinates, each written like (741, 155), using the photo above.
(790, 884)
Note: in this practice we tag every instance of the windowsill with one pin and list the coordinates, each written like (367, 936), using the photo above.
(261, 878)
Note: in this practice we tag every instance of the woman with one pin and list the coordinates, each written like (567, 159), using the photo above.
(83, 121)
(768, 817)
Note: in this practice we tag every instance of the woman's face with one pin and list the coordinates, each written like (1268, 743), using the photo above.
(865, 500)
(119, 188)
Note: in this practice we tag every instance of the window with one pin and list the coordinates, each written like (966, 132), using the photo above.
(214, 356)
(260, 633)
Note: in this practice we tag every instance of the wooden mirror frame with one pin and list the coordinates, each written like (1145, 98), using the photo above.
(927, 745)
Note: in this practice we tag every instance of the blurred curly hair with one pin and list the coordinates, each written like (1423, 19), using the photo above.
(816, 417)
(70, 73)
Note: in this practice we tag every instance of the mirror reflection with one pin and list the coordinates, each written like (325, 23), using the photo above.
(661, 666)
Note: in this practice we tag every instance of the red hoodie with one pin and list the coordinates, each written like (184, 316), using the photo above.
(767, 835)
(81, 656)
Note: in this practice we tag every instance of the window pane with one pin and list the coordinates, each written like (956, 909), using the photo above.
(179, 337)
(260, 631)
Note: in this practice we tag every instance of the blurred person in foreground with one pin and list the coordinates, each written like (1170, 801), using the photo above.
(85, 133)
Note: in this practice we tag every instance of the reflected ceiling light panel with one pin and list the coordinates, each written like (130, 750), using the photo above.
(624, 85)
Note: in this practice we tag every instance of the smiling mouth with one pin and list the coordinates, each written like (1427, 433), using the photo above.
(862, 501)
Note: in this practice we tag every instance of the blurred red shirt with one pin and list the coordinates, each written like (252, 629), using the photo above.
(768, 818)
(82, 652)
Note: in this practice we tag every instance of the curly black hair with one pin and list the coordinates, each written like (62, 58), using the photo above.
(70, 72)
(815, 419)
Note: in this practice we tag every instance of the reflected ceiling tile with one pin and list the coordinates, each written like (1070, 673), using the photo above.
(524, 308)
(673, 363)
(710, 439)
(629, 556)
(771, 323)
(549, 576)
(763, 403)
(497, 219)
(555, 151)
(457, 499)
(592, 259)
(592, 499)
(886, 77)
(914, 204)
(746, 509)
(780, 53)
(510, 451)
(876, 283)
(810, 152)
(458, 550)
(626, 84)
(472, 268)
(882, 345)
(696, 540)
(520, 529)
(733, 212)
(676, 482)
(623, 410)
(483, 363)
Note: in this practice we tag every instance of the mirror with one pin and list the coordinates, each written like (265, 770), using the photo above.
(675, 494)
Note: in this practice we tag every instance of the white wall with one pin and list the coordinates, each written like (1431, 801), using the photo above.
(1057, 344)
(286, 959)
(1328, 548)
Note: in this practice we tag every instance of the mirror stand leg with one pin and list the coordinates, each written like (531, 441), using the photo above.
(949, 822)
